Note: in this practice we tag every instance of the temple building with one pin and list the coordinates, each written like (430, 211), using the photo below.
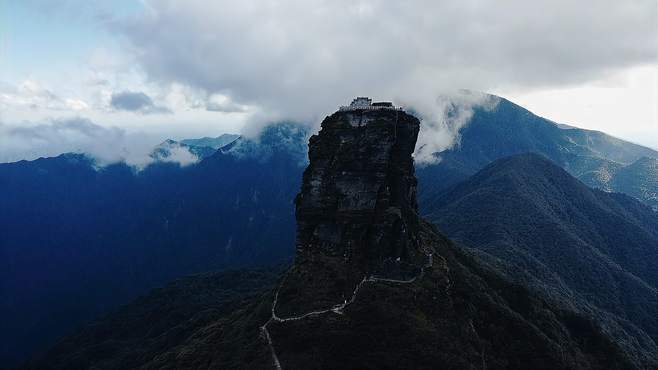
(365, 103)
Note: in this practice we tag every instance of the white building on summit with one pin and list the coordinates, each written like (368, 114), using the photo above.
(365, 103)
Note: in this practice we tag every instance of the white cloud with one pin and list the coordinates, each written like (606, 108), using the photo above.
(32, 95)
(442, 120)
(217, 64)
(182, 156)
(29, 140)
(223, 103)
(135, 102)
(76, 104)
(281, 53)
(299, 60)
(625, 106)
(172, 151)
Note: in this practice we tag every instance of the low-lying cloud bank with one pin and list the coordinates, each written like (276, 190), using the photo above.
(79, 135)
(295, 61)
(298, 60)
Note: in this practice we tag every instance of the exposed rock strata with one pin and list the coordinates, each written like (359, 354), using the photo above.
(356, 211)
(356, 217)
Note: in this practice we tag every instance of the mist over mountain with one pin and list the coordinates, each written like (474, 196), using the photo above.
(193, 184)
(507, 129)
(79, 239)
(372, 286)
(100, 235)
(189, 151)
(182, 154)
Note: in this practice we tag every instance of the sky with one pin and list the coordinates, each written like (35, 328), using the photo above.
(114, 78)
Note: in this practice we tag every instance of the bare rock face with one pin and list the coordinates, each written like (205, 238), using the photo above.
(357, 211)
(358, 198)
(373, 286)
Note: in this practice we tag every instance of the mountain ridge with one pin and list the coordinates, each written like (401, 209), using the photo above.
(508, 129)
(81, 238)
(544, 228)
(375, 286)
(276, 160)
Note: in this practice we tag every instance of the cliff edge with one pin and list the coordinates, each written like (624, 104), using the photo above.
(373, 286)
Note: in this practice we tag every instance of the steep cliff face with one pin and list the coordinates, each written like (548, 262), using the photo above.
(356, 211)
(358, 197)
(372, 287)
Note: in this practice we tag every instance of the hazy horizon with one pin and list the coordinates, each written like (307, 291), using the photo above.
(129, 74)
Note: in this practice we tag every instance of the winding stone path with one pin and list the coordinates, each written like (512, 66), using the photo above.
(337, 309)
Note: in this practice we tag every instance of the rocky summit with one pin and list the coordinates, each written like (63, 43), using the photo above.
(373, 286)
(356, 212)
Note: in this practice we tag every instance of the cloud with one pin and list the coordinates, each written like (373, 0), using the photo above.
(76, 104)
(182, 156)
(443, 120)
(173, 151)
(222, 103)
(53, 137)
(30, 94)
(299, 60)
(135, 102)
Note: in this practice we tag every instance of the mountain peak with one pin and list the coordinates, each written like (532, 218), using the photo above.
(356, 211)
(569, 242)
(212, 142)
(527, 160)
(519, 171)
(372, 286)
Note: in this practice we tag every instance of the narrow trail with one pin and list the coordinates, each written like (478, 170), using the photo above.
(337, 309)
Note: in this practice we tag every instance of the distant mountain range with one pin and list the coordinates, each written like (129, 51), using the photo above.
(597, 159)
(560, 280)
(188, 151)
(211, 142)
(81, 239)
(183, 154)
(77, 240)
(542, 228)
